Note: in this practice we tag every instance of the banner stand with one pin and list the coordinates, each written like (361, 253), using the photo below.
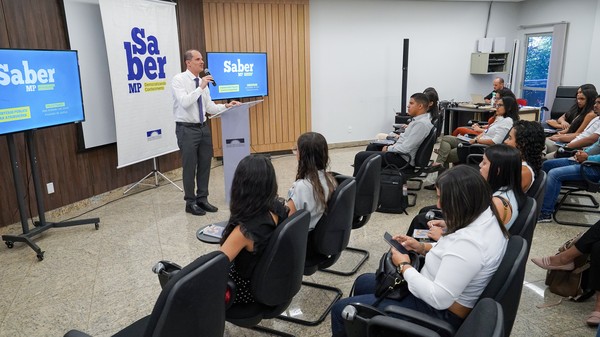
(156, 173)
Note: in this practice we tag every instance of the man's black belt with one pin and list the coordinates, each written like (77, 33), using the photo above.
(196, 125)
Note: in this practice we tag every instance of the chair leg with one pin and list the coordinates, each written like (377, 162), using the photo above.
(593, 201)
(365, 257)
(586, 209)
(414, 202)
(419, 182)
(324, 315)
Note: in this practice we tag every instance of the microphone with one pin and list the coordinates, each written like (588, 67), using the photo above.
(433, 215)
(207, 72)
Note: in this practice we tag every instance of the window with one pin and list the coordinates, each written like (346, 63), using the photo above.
(537, 62)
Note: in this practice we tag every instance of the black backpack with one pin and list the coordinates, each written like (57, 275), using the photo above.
(393, 195)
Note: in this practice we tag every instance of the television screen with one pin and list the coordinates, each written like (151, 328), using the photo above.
(238, 75)
(39, 88)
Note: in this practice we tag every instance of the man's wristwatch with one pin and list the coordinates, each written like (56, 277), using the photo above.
(401, 265)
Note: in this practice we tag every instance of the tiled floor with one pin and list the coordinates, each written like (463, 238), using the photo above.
(100, 281)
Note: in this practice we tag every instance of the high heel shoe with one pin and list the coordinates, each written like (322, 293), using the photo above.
(544, 262)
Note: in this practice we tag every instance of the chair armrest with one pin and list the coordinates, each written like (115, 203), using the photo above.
(442, 327)
(474, 159)
(76, 333)
(593, 185)
(390, 326)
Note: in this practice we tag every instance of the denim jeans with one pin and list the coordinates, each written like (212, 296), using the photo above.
(364, 288)
(559, 170)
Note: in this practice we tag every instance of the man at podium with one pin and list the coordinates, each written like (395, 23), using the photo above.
(191, 103)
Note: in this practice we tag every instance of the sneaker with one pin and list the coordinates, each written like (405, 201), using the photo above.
(544, 217)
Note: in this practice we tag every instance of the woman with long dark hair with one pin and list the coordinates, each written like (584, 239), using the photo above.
(255, 212)
(458, 267)
(314, 185)
(528, 138)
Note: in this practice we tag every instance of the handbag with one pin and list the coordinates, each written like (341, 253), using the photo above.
(568, 283)
(389, 283)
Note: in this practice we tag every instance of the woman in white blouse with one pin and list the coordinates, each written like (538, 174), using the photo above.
(458, 267)
(507, 112)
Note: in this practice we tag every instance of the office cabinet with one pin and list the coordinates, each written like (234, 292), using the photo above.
(489, 63)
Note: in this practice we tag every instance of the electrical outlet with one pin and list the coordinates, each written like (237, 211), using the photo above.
(349, 129)
(50, 188)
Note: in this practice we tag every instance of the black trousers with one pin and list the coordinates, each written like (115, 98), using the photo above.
(589, 243)
(419, 221)
(195, 145)
(387, 158)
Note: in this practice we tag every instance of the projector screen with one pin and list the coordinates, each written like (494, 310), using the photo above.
(40, 88)
(238, 75)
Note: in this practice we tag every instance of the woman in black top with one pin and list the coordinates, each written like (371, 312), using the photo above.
(255, 212)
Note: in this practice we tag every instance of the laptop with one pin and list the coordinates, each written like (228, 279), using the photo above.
(477, 99)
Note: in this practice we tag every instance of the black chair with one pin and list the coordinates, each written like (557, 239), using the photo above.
(327, 241)
(526, 221)
(573, 189)
(537, 190)
(504, 287)
(191, 304)
(277, 277)
(368, 181)
(565, 98)
(422, 164)
(486, 320)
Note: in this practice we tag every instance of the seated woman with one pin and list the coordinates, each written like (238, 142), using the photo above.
(313, 186)
(476, 129)
(507, 112)
(255, 212)
(501, 168)
(458, 267)
(564, 121)
(527, 137)
(588, 243)
(583, 114)
(566, 169)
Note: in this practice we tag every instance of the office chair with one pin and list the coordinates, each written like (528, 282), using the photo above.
(526, 221)
(485, 320)
(191, 304)
(327, 241)
(572, 189)
(563, 101)
(504, 287)
(277, 277)
(537, 190)
(368, 181)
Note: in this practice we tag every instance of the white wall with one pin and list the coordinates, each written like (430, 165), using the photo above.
(356, 58)
(356, 53)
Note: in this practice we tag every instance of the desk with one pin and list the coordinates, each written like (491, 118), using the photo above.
(451, 116)
(207, 238)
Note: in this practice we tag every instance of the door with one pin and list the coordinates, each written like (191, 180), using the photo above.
(536, 68)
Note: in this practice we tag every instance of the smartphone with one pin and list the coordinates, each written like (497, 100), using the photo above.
(388, 237)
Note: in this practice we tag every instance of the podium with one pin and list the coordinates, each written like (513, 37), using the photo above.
(235, 137)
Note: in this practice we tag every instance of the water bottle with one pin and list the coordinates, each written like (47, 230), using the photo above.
(493, 100)
(405, 190)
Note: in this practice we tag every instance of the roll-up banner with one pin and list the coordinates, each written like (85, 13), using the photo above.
(142, 46)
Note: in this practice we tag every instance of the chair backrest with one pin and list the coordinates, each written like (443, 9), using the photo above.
(425, 150)
(192, 303)
(526, 221)
(368, 184)
(521, 101)
(485, 320)
(332, 232)
(278, 275)
(563, 101)
(506, 284)
(537, 189)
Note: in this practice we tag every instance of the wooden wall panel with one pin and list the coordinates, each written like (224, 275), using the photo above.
(77, 175)
(279, 28)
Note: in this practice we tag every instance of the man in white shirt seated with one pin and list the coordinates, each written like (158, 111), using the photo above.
(409, 141)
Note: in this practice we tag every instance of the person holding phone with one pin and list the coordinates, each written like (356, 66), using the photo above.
(458, 267)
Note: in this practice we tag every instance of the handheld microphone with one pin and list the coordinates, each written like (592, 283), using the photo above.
(433, 215)
(207, 72)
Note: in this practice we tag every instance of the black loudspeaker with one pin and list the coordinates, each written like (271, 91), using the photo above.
(404, 75)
